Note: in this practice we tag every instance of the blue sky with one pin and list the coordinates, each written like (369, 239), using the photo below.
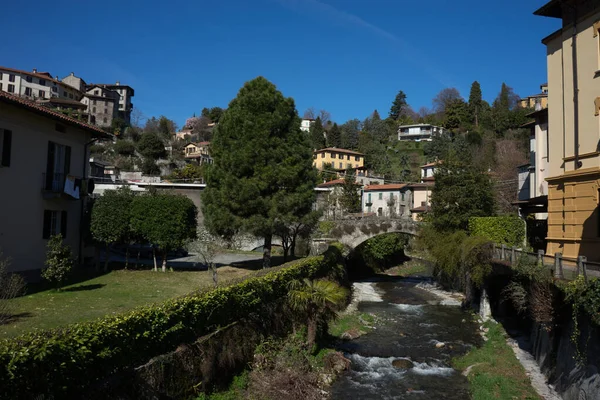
(346, 56)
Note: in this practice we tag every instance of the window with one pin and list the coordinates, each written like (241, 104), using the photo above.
(11, 88)
(28, 91)
(105, 111)
(370, 198)
(29, 78)
(55, 222)
(94, 102)
(70, 95)
(54, 89)
(42, 94)
(0, 86)
(0, 76)
(380, 196)
(65, 93)
(356, 158)
(322, 155)
(402, 196)
(58, 166)
(96, 92)
(5, 147)
(348, 157)
(43, 82)
(11, 78)
(104, 120)
(94, 110)
(332, 155)
(341, 165)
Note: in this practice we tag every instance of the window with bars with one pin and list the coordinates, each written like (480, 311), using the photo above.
(55, 223)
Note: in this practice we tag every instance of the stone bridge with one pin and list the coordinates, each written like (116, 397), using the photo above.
(352, 232)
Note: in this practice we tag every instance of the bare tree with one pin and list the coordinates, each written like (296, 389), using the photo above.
(310, 113)
(325, 117)
(137, 117)
(509, 155)
(11, 286)
(206, 251)
(444, 98)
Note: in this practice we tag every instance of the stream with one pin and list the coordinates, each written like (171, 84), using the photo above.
(419, 332)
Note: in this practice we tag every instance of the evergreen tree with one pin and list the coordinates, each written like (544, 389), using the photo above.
(317, 134)
(350, 198)
(334, 136)
(349, 136)
(502, 118)
(375, 116)
(456, 115)
(263, 166)
(398, 106)
(475, 103)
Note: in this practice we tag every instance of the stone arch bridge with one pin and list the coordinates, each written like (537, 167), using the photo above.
(352, 232)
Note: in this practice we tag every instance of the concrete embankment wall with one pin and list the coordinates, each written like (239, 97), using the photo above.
(573, 370)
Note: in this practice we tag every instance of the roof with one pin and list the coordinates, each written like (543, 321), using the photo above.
(336, 150)
(390, 186)
(413, 125)
(198, 144)
(420, 209)
(552, 36)
(431, 164)
(57, 100)
(39, 75)
(334, 182)
(39, 109)
(423, 185)
(429, 179)
(111, 85)
(534, 96)
(537, 113)
(551, 9)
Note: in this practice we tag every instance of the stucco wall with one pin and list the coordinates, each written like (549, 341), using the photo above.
(21, 204)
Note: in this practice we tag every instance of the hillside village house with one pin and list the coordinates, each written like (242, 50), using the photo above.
(537, 101)
(327, 198)
(428, 171)
(199, 152)
(391, 200)
(35, 85)
(419, 132)
(306, 123)
(43, 162)
(338, 158)
(421, 199)
(573, 57)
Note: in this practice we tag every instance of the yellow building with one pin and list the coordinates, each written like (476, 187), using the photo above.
(533, 101)
(338, 158)
(573, 56)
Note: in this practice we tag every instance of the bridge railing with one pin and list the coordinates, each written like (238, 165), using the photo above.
(561, 267)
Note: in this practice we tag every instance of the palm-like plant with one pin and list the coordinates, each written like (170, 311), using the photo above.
(317, 300)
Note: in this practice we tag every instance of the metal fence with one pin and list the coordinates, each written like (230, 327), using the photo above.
(561, 267)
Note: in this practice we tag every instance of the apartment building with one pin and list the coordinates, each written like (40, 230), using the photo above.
(35, 85)
(419, 132)
(43, 164)
(573, 58)
(338, 158)
(306, 123)
(537, 101)
(102, 105)
(125, 106)
(390, 200)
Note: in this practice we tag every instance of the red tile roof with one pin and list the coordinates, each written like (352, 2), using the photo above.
(424, 185)
(420, 209)
(37, 108)
(336, 150)
(391, 186)
(334, 182)
(431, 164)
(428, 179)
(40, 75)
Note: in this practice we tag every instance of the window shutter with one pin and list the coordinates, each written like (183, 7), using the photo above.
(50, 166)
(63, 224)
(6, 147)
(47, 223)
(67, 160)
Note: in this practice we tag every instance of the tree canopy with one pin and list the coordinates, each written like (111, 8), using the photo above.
(398, 106)
(263, 165)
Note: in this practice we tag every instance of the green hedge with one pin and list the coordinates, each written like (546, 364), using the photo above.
(64, 362)
(508, 230)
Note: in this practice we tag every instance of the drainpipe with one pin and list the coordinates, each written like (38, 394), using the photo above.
(85, 162)
(575, 87)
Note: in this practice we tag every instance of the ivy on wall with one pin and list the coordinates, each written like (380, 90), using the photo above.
(508, 230)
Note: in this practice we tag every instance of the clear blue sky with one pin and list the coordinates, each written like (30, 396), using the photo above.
(346, 56)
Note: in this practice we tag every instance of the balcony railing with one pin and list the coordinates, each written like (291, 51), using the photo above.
(53, 183)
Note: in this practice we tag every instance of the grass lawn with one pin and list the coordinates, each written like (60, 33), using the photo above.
(496, 372)
(114, 292)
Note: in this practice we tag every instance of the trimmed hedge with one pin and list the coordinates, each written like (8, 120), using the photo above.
(64, 362)
(508, 230)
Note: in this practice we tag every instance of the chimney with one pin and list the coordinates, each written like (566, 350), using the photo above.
(35, 70)
(72, 73)
(118, 83)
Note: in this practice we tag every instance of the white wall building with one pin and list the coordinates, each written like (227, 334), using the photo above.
(306, 124)
(391, 200)
(419, 132)
(35, 85)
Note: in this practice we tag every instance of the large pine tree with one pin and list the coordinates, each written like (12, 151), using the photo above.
(398, 106)
(317, 134)
(263, 165)
(475, 103)
(334, 136)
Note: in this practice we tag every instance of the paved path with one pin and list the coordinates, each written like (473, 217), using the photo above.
(191, 261)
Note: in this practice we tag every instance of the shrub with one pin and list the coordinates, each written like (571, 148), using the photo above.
(378, 253)
(149, 167)
(64, 362)
(59, 261)
(124, 148)
(508, 230)
(11, 286)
